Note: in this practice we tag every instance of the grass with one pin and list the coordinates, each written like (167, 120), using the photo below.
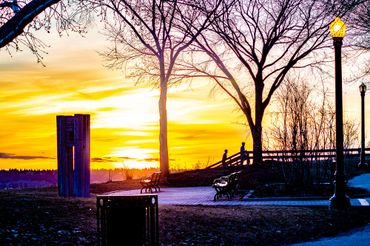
(205, 225)
(40, 217)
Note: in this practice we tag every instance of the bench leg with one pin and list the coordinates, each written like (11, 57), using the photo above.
(229, 195)
(215, 197)
(218, 194)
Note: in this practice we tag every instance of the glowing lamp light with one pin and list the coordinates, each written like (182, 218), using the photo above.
(362, 88)
(337, 28)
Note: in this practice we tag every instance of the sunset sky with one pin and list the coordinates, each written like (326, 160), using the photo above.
(124, 117)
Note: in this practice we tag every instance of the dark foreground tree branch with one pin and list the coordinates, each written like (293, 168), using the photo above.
(15, 25)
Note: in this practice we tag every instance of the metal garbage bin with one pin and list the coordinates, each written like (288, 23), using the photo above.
(127, 220)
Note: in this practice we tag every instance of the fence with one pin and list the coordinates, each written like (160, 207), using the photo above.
(293, 156)
(302, 168)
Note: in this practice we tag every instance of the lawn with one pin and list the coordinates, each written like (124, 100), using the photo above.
(39, 216)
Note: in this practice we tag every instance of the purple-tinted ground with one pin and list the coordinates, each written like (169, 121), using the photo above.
(15, 179)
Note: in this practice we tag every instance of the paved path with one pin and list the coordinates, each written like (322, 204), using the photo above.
(204, 196)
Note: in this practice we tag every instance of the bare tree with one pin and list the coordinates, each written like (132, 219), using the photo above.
(360, 22)
(291, 121)
(359, 33)
(350, 133)
(20, 19)
(148, 37)
(304, 119)
(302, 122)
(256, 43)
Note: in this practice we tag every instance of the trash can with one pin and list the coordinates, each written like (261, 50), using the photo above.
(127, 220)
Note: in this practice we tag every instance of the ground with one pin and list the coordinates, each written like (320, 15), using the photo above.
(33, 217)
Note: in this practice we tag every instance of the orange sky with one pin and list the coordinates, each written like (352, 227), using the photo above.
(124, 117)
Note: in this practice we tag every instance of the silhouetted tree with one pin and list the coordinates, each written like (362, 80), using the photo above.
(360, 21)
(359, 35)
(20, 19)
(148, 37)
(254, 45)
(304, 119)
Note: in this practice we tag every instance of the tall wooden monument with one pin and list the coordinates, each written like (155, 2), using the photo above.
(73, 137)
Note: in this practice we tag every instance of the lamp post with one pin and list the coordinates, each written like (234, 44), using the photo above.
(362, 163)
(339, 200)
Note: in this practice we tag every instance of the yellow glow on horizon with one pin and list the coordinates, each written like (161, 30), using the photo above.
(135, 153)
(130, 164)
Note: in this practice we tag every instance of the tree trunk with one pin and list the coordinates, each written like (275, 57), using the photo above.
(163, 143)
(257, 129)
(257, 144)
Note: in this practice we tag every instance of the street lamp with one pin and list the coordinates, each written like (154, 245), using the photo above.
(339, 200)
(362, 163)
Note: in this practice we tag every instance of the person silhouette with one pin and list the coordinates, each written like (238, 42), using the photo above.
(243, 154)
(224, 157)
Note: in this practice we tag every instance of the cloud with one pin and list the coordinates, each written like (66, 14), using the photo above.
(22, 157)
(110, 159)
(122, 158)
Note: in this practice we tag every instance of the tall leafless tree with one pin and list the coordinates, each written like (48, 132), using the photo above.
(254, 45)
(20, 19)
(302, 122)
(360, 25)
(360, 22)
(148, 37)
(304, 118)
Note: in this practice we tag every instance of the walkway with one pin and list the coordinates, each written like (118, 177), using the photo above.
(204, 196)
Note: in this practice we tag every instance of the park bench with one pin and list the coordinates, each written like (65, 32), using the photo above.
(151, 183)
(226, 185)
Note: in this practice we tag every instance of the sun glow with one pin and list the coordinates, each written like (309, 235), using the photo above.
(134, 110)
(134, 157)
(130, 164)
(127, 152)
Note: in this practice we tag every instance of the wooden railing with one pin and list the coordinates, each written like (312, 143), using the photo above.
(233, 160)
(291, 155)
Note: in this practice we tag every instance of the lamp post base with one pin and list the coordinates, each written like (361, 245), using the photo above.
(363, 165)
(339, 202)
